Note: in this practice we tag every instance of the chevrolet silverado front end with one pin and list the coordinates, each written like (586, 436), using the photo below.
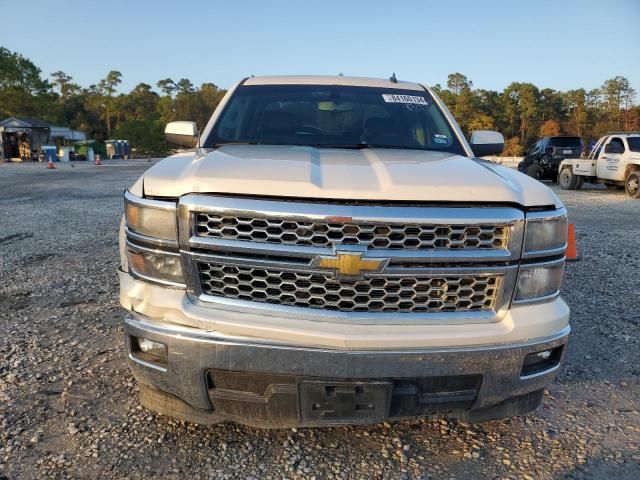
(334, 253)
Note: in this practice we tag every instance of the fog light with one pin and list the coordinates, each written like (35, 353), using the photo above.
(540, 362)
(544, 355)
(149, 350)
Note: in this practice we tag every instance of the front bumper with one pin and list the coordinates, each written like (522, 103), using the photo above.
(211, 377)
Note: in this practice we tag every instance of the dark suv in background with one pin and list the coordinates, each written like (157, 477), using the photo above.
(543, 158)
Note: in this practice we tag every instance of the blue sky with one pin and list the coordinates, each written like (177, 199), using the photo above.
(557, 44)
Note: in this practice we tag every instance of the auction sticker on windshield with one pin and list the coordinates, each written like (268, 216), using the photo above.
(392, 98)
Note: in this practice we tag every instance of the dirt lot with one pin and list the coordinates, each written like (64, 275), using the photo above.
(69, 407)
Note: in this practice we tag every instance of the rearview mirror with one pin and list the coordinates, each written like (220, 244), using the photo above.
(486, 142)
(184, 134)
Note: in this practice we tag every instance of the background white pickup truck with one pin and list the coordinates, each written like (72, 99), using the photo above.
(613, 161)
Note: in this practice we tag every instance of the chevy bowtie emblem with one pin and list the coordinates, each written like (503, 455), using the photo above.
(348, 263)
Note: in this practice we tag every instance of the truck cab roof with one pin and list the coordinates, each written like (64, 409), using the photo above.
(333, 80)
(623, 134)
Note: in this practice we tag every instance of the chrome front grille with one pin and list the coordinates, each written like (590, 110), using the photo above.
(349, 262)
(330, 234)
(439, 293)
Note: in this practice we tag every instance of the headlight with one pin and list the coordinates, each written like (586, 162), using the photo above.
(545, 233)
(155, 266)
(152, 218)
(539, 281)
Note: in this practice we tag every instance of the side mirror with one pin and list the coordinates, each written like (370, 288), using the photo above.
(486, 142)
(184, 134)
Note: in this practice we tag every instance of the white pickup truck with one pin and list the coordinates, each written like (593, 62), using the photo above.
(333, 251)
(613, 161)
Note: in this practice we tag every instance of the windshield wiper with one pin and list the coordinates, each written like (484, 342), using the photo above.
(398, 147)
(350, 146)
(353, 146)
(361, 145)
(222, 144)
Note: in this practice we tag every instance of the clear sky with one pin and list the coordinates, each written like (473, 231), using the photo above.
(557, 44)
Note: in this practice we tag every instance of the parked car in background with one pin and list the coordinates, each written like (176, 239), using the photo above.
(543, 158)
(613, 161)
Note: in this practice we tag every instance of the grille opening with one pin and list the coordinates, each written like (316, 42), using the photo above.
(421, 293)
(372, 235)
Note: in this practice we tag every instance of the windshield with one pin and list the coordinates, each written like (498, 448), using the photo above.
(634, 143)
(334, 116)
(573, 142)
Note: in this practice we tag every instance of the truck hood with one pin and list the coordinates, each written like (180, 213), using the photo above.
(365, 174)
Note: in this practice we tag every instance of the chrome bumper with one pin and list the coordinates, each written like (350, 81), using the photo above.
(194, 353)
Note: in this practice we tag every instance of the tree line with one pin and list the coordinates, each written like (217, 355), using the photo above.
(99, 110)
(522, 111)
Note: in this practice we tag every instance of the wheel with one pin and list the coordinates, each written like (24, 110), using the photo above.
(569, 181)
(533, 171)
(632, 185)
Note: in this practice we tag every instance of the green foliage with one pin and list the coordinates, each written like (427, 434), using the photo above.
(481, 121)
(23, 92)
(522, 111)
(146, 135)
(461, 101)
(66, 88)
(20, 73)
(167, 86)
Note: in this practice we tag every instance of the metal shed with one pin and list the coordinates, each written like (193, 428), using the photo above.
(22, 138)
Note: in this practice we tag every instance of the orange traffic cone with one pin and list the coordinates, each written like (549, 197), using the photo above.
(98, 160)
(572, 252)
(50, 164)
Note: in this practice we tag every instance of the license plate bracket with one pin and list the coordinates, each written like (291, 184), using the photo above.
(344, 402)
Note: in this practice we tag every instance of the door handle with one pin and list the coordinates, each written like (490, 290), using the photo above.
(604, 158)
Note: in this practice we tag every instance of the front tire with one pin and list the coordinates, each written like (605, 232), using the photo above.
(569, 181)
(632, 185)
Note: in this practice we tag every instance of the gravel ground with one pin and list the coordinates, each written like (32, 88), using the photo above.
(69, 407)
